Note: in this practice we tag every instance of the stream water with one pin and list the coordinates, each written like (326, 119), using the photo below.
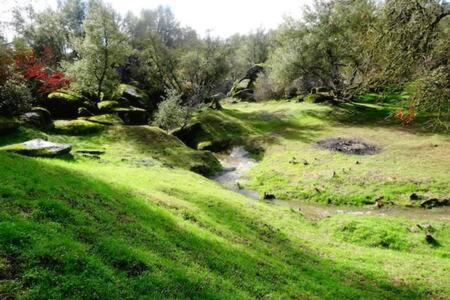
(239, 162)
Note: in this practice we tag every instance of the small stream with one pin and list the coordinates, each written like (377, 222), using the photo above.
(239, 162)
(235, 166)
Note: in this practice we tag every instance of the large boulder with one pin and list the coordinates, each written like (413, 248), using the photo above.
(38, 117)
(107, 106)
(38, 147)
(76, 127)
(107, 120)
(64, 104)
(189, 134)
(244, 88)
(132, 115)
(127, 94)
(8, 125)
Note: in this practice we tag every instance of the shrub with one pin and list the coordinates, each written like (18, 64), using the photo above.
(265, 89)
(171, 113)
(15, 97)
(431, 93)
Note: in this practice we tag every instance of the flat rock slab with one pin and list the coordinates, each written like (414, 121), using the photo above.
(349, 146)
(39, 148)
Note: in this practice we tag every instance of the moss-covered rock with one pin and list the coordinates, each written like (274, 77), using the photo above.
(64, 104)
(131, 95)
(84, 112)
(132, 115)
(8, 125)
(107, 106)
(214, 146)
(76, 127)
(107, 119)
(244, 88)
(38, 147)
(38, 117)
(44, 112)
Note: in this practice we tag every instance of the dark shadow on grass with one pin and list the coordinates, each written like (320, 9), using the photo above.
(76, 236)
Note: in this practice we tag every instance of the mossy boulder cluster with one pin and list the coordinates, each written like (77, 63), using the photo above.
(65, 104)
(212, 130)
(244, 88)
(76, 114)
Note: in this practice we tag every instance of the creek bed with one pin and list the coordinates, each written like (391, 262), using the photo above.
(239, 162)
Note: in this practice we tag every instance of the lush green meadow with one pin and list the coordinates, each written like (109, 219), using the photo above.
(138, 223)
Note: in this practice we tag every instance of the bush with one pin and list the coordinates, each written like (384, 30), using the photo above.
(265, 89)
(15, 97)
(431, 93)
(171, 114)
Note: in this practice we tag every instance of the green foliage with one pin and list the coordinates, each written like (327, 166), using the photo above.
(203, 68)
(171, 113)
(326, 49)
(15, 97)
(431, 93)
(101, 49)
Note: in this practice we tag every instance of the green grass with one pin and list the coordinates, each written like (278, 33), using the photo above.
(70, 229)
(410, 161)
(139, 224)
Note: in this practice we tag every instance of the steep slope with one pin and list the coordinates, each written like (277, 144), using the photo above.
(91, 230)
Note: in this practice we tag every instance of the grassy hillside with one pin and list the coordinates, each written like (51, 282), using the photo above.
(117, 228)
(410, 160)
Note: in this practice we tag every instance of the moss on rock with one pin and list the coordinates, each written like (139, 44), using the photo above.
(107, 106)
(64, 104)
(134, 96)
(77, 127)
(106, 119)
(132, 115)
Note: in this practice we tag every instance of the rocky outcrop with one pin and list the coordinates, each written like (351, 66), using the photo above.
(107, 120)
(107, 106)
(129, 95)
(65, 104)
(189, 134)
(38, 117)
(132, 115)
(39, 148)
(244, 88)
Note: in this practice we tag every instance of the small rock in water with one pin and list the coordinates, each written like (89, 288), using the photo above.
(239, 186)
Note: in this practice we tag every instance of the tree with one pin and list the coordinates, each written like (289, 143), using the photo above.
(203, 68)
(171, 114)
(325, 49)
(100, 51)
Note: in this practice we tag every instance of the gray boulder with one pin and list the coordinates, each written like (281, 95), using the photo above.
(37, 119)
(244, 88)
(39, 148)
